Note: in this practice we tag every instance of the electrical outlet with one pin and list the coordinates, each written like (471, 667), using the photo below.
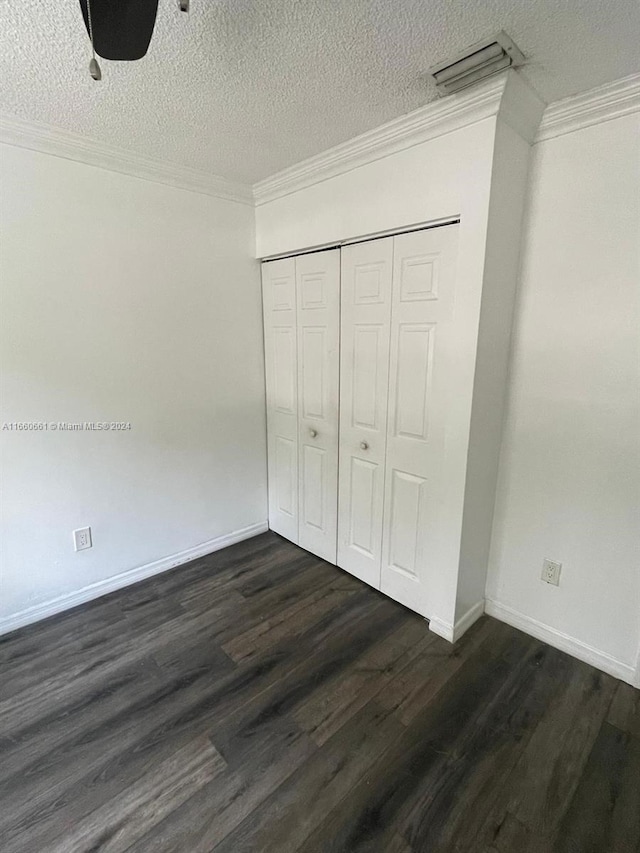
(551, 572)
(82, 538)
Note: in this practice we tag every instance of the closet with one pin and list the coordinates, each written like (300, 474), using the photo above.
(397, 484)
(358, 345)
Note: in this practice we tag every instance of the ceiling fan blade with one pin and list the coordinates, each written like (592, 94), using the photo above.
(122, 29)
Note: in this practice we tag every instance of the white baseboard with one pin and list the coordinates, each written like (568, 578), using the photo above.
(441, 628)
(559, 640)
(452, 633)
(96, 590)
(465, 622)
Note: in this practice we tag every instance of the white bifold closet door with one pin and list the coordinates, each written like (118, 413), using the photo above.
(364, 374)
(397, 342)
(318, 289)
(423, 346)
(376, 327)
(301, 303)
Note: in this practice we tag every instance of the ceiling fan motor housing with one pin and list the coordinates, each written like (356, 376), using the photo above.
(122, 29)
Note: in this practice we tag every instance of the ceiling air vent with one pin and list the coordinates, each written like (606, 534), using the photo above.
(475, 63)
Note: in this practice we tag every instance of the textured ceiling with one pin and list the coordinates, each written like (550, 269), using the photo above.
(244, 88)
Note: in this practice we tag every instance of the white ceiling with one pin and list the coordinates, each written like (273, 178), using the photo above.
(244, 88)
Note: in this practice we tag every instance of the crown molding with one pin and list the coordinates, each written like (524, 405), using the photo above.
(607, 102)
(428, 122)
(435, 119)
(37, 136)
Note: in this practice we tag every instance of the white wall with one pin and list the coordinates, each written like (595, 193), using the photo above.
(443, 177)
(569, 485)
(123, 300)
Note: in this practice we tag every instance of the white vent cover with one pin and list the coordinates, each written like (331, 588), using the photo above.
(476, 62)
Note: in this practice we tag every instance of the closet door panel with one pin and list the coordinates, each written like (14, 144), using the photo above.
(318, 320)
(364, 372)
(281, 365)
(424, 279)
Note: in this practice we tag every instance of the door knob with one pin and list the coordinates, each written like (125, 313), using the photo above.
(364, 445)
(313, 433)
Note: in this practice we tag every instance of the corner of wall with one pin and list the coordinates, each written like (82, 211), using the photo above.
(453, 631)
(518, 120)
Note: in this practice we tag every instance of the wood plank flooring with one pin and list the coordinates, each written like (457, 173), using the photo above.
(262, 701)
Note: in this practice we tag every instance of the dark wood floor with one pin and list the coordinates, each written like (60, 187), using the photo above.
(261, 700)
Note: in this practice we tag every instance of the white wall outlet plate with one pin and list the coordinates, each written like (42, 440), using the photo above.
(551, 572)
(82, 538)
